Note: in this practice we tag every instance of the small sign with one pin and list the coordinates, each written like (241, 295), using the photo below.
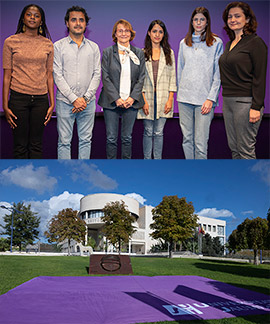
(110, 264)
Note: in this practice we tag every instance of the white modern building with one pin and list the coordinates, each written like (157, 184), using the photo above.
(91, 212)
(214, 227)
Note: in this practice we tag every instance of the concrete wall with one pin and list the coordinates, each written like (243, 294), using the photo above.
(98, 202)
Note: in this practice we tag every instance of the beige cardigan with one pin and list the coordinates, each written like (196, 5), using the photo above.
(166, 83)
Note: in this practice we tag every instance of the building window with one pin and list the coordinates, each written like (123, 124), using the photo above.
(220, 230)
(204, 227)
(209, 228)
(95, 213)
(214, 228)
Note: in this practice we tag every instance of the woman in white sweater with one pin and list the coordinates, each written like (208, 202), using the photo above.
(198, 83)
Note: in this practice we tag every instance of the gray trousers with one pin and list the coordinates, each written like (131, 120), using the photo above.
(241, 134)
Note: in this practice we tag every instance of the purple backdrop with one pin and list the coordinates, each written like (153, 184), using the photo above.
(104, 14)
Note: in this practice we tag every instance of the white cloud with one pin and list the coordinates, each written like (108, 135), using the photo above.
(137, 197)
(247, 212)
(65, 200)
(82, 171)
(263, 169)
(28, 177)
(215, 213)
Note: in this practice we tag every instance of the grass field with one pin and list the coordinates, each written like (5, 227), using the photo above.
(14, 270)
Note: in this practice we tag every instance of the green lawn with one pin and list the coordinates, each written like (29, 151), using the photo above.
(14, 270)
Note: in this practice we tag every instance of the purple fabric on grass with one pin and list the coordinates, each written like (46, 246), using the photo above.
(126, 300)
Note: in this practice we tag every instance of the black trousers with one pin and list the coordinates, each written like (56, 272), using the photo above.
(31, 112)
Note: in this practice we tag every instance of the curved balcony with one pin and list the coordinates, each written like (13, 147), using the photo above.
(94, 222)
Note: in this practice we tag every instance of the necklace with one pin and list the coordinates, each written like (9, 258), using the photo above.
(196, 45)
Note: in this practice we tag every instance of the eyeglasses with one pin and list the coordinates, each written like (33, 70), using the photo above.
(122, 31)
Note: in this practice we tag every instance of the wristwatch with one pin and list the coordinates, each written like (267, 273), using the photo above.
(87, 100)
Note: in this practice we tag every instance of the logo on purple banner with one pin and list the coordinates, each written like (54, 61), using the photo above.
(229, 306)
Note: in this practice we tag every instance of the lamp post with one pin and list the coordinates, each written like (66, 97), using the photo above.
(12, 210)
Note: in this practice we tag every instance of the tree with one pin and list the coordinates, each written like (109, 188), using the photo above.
(91, 242)
(211, 246)
(207, 245)
(191, 244)
(25, 225)
(268, 232)
(4, 246)
(161, 246)
(232, 242)
(174, 221)
(217, 247)
(242, 234)
(118, 227)
(250, 234)
(66, 225)
(257, 234)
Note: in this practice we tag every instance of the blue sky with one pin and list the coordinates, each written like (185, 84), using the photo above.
(224, 189)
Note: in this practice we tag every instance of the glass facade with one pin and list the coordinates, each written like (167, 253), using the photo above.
(92, 214)
(220, 230)
(97, 214)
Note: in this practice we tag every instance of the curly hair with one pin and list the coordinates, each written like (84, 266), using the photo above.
(44, 30)
(127, 25)
(164, 42)
(207, 35)
(249, 28)
(78, 9)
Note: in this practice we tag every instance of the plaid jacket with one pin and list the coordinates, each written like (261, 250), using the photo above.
(166, 82)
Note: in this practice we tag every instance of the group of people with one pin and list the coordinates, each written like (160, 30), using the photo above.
(135, 83)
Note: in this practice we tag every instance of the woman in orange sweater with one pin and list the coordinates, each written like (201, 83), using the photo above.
(27, 81)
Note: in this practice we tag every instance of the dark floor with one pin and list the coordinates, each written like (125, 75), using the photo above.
(218, 148)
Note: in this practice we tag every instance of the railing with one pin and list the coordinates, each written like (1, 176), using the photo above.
(93, 220)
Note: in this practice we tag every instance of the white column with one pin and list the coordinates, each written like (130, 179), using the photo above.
(86, 235)
(129, 246)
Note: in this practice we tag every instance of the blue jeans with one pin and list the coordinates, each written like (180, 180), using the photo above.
(153, 137)
(65, 122)
(128, 117)
(195, 128)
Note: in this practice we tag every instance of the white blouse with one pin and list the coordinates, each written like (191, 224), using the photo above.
(125, 77)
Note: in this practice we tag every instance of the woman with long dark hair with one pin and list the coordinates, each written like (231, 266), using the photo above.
(198, 83)
(243, 77)
(159, 88)
(27, 81)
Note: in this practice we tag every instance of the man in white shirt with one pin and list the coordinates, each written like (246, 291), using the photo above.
(77, 74)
